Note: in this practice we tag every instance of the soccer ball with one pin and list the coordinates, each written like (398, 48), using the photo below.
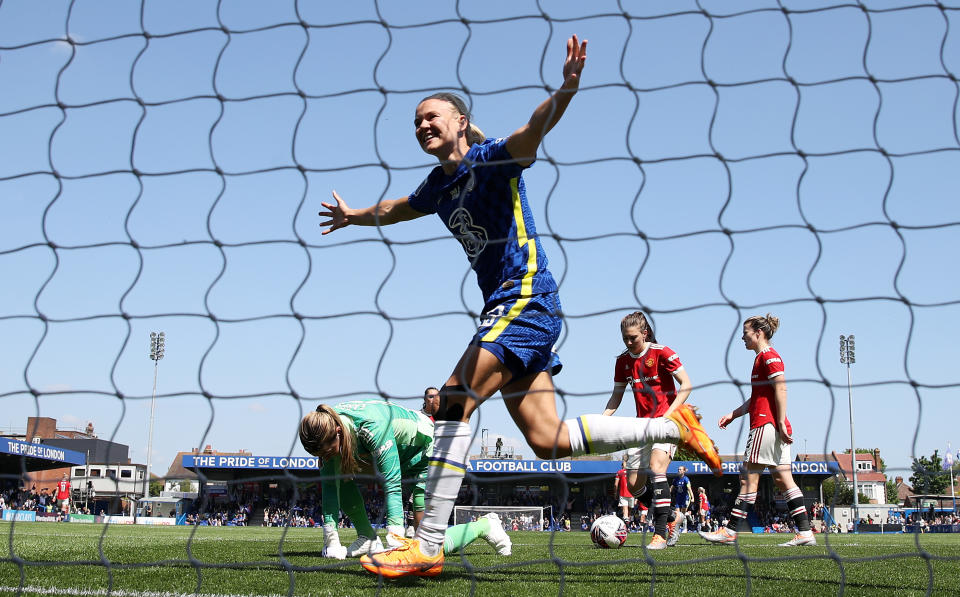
(608, 532)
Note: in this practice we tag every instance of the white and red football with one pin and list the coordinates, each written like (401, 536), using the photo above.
(608, 532)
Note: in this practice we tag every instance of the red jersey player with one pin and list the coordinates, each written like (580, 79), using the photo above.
(768, 445)
(704, 504)
(63, 493)
(625, 497)
(652, 371)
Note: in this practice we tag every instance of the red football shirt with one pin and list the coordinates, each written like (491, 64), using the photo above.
(763, 408)
(651, 375)
(63, 489)
(622, 484)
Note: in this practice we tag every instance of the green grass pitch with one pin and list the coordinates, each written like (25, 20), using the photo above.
(128, 561)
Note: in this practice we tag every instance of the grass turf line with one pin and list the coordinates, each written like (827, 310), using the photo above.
(136, 561)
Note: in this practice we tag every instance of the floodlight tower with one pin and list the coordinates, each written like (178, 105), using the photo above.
(157, 341)
(848, 357)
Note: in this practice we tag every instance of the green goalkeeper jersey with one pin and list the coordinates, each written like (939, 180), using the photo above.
(396, 440)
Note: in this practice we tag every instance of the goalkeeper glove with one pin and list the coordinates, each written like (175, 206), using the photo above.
(331, 543)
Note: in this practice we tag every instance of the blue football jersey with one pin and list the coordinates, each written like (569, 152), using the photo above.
(484, 205)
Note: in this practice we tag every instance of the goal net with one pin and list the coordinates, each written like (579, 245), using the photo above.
(514, 518)
(163, 163)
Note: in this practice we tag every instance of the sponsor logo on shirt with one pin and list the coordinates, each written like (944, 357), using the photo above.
(472, 237)
(384, 448)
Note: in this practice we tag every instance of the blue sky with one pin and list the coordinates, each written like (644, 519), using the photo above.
(190, 166)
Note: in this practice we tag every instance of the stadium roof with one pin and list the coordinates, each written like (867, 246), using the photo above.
(18, 456)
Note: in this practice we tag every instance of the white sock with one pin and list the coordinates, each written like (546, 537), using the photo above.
(597, 434)
(451, 442)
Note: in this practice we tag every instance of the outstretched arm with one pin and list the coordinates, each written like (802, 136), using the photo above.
(523, 143)
(383, 213)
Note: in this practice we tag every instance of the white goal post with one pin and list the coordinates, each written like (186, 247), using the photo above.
(526, 518)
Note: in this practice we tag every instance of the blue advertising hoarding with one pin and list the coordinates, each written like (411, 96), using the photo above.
(488, 466)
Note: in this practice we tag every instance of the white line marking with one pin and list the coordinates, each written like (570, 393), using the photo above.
(117, 593)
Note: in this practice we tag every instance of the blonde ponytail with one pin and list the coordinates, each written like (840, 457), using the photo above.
(474, 134)
(319, 428)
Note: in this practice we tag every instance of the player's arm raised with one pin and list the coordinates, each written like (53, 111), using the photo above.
(615, 398)
(523, 143)
(382, 213)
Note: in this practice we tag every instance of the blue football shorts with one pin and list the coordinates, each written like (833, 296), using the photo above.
(522, 332)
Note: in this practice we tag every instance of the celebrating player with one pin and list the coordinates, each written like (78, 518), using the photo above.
(768, 445)
(478, 192)
(397, 442)
(650, 369)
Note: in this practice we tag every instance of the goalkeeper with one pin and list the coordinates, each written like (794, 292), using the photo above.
(396, 442)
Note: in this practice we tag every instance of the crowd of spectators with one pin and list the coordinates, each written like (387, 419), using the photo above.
(43, 501)
(220, 515)
(304, 509)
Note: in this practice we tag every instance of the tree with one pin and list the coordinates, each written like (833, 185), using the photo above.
(840, 494)
(684, 453)
(155, 487)
(893, 497)
(928, 477)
